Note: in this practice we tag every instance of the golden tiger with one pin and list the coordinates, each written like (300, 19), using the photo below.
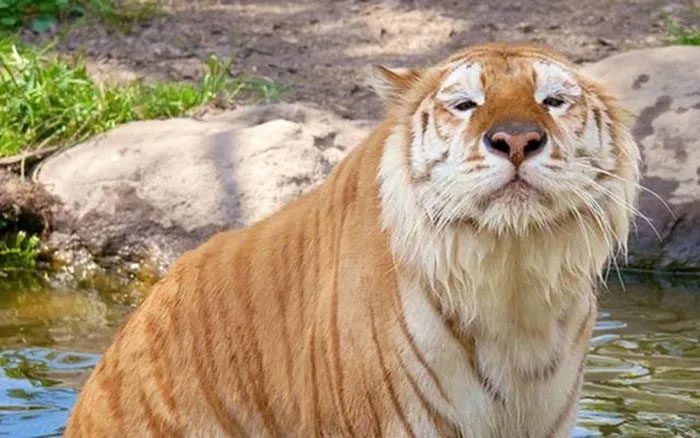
(440, 282)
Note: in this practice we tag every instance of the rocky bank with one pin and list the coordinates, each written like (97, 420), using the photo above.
(154, 189)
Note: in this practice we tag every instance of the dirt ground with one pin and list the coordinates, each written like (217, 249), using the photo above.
(323, 50)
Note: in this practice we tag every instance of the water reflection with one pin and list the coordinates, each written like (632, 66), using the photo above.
(643, 370)
(50, 339)
(38, 389)
(642, 378)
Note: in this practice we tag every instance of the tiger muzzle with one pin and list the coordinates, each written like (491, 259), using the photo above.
(515, 139)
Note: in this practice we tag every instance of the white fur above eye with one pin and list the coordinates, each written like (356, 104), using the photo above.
(553, 80)
(463, 83)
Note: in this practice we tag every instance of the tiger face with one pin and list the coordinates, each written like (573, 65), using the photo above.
(512, 139)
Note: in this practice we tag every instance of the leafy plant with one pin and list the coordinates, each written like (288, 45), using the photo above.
(19, 252)
(44, 14)
(47, 100)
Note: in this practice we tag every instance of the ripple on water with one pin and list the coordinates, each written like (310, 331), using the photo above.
(643, 368)
(38, 389)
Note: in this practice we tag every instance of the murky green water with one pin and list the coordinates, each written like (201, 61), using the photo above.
(643, 375)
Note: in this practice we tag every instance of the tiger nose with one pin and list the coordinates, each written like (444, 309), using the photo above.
(516, 140)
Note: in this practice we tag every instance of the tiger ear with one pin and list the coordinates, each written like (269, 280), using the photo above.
(392, 83)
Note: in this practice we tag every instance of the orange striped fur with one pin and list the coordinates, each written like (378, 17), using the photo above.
(408, 295)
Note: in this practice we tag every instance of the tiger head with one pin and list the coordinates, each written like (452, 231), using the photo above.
(506, 140)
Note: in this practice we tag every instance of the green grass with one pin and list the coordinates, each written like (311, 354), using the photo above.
(684, 37)
(42, 15)
(18, 251)
(678, 34)
(46, 100)
(123, 14)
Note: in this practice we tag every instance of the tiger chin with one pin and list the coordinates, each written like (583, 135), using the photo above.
(440, 282)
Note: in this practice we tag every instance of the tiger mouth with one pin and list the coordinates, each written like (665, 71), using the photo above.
(517, 188)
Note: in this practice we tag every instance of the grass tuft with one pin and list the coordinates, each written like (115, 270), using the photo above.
(123, 14)
(677, 34)
(681, 35)
(46, 100)
(19, 252)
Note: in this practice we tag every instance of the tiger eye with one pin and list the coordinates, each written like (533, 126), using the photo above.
(465, 105)
(553, 102)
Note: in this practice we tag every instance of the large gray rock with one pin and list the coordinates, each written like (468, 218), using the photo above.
(662, 88)
(157, 188)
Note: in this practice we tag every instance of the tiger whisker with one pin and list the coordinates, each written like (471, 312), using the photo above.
(636, 185)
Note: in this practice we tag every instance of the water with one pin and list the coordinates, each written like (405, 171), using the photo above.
(642, 379)
(643, 369)
(50, 338)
